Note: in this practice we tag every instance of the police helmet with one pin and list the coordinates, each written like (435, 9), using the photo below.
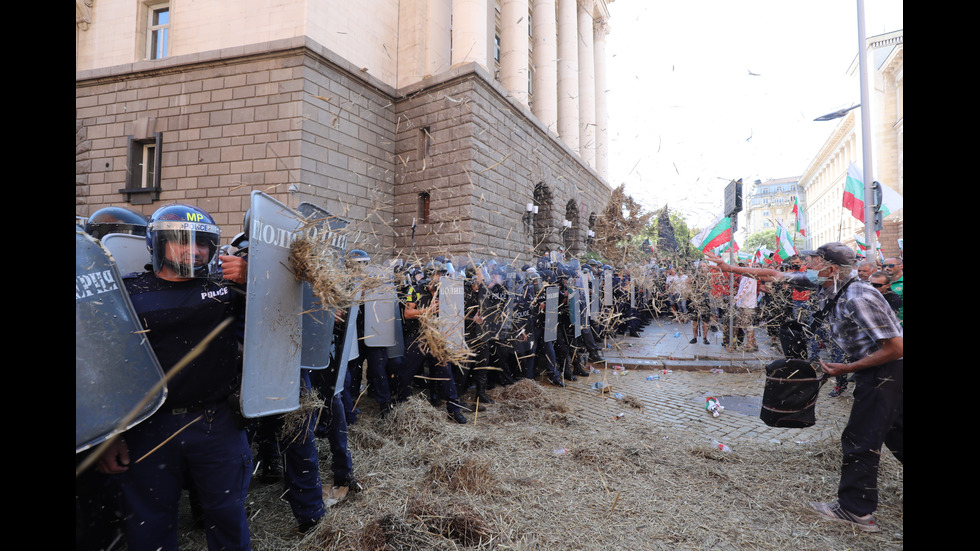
(170, 231)
(433, 267)
(115, 220)
(358, 255)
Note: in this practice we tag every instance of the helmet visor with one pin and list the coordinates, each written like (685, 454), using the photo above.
(188, 249)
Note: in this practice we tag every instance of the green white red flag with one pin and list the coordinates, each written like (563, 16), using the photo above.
(714, 236)
(796, 212)
(784, 245)
(854, 192)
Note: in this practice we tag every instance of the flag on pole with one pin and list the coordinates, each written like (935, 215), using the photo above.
(732, 244)
(891, 201)
(784, 244)
(715, 235)
(648, 246)
(854, 192)
(796, 212)
(861, 243)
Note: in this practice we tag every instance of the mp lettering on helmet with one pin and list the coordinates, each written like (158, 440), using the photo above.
(195, 216)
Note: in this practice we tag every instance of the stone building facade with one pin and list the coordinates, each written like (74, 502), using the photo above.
(823, 181)
(347, 105)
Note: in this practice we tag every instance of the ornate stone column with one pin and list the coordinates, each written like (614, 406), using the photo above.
(514, 45)
(568, 93)
(545, 54)
(601, 111)
(586, 82)
(471, 31)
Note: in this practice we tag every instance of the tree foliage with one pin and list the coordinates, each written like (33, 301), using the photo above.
(677, 224)
(766, 238)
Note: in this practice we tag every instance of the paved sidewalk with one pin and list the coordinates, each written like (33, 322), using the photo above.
(672, 379)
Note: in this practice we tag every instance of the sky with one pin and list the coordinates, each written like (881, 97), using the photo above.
(702, 92)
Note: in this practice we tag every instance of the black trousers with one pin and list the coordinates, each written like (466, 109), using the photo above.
(876, 419)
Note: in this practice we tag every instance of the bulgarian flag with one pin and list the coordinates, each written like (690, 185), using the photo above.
(714, 235)
(854, 192)
(891, 201)
(784, 245)
(725, 246)
(859, 239)
(796, 212)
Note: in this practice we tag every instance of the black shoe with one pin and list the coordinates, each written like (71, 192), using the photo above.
(386, 409)
(569, 377)
(271, 471)
(694, 340)
(595, 357)
(458, 417)
(556, 382)
(634, 334)
(305, 527)
(468, 407)
(705, 340)
(353, 486)
(484, 399)
(580, 372)
(436, 402)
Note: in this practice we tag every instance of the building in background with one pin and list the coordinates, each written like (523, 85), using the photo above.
(480, 122)
(770, 202)
(823, 181)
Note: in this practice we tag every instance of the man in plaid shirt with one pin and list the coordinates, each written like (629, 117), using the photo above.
(869, 333)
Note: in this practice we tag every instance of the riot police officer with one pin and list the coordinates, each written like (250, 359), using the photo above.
(179, 304)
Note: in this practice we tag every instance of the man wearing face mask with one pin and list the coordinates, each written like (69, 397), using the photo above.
(869, 333)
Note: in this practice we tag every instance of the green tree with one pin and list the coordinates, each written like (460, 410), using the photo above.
(681, 235)
(766, 238)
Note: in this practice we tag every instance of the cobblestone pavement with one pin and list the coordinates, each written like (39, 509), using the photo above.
(672, 379)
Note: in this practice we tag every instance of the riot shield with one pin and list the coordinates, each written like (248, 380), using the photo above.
(350, 351)
(451, 311)
(322, 220)
(128, 251)
(607, 288)
(398, 349)
(380, 309)
(632, 294)
(573, 309)
(318, 323)
(595, 301)
(273, 312)
(317, 331)
(550, 313)
(586, 306)
(115, 367)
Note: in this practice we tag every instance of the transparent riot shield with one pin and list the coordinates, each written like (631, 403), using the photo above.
(550, 313)
(350, 351)
(451, 311)
(273, 312)
(380, 309)
(607, 288)
(573, 309)
(318, 323)
(128, 251)
(317, 331)
(115, 367)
